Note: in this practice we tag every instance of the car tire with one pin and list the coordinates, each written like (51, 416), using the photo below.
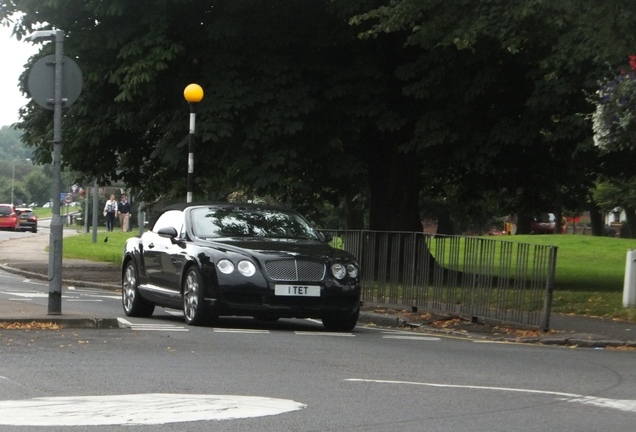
(194, 309)
(134, 304)
(341, 322)
(34, 230)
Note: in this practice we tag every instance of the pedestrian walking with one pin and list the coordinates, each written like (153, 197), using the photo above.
(110, 209)
(123, 210)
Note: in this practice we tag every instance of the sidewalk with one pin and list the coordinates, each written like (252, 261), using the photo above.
(27, 256)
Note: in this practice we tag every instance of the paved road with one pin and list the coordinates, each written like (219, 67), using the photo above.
(158, 374)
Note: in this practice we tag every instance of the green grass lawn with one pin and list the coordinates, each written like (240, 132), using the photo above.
(589, 272)
(44, 213)
(82, 246)
(584, 262)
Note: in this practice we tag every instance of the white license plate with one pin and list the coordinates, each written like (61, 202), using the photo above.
(297, 290)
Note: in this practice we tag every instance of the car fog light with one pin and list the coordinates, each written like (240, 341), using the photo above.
(352, 270)
(246, 268)
(339, 271)
(225, 266)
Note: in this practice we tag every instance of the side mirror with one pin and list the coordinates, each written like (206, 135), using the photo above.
(168, 232)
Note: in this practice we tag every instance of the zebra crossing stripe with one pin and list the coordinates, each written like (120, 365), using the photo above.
(124, 323)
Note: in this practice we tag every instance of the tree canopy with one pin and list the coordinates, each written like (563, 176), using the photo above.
(10, 145)
(352, 102)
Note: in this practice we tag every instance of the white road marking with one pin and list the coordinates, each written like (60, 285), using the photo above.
(159, 328)
(84, 290)
(124, 323)
(138, 409)
(26, 294)
(311, 333)
(26, 280)
(9, 380)
(406, 337)
(250, 331)
(619, 404)
(95, 292)
(173, 312)
(76, 300)
(105, 296)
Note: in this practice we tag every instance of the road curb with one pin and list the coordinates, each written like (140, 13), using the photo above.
(565, 340)
(67, 282)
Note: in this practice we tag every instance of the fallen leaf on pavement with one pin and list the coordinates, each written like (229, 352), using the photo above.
(33, 325)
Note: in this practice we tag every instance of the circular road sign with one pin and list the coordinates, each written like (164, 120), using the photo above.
(42, 82)
(68, 198)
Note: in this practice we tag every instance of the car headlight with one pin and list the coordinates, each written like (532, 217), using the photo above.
(225, 266)
(352, 270)
(246, 268)
(339, 271)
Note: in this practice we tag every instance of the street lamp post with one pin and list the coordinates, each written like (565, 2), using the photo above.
(12, 182)
(13, 179)
(55, 239)
(193, 93)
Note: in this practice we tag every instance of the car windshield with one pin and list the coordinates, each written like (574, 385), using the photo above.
(211, 222)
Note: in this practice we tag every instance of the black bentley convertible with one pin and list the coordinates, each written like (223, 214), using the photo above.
(220, 259)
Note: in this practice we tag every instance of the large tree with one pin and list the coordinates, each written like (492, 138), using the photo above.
(286, 95)
(514, 118)
(483, 98)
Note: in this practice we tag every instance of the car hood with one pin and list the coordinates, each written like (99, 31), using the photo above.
(279, 247)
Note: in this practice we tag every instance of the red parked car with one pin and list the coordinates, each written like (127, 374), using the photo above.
(9, 219)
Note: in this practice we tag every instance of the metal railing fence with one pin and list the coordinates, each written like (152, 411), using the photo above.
(471, 276)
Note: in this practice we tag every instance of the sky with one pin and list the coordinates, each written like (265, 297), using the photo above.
(14, 54)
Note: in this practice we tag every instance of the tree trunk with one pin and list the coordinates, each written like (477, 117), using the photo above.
(394, 189)
(523, 223)
(596, 219)
(630, 212)
(445, 224)
(560, 222)
(354, 213)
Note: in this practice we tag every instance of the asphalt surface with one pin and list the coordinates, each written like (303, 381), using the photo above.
(28, 256)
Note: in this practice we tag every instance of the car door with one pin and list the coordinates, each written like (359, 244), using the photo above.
(151, 245)
(173, 258)
(157, 255)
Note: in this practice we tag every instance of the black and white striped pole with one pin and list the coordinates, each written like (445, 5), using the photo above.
(193, 93)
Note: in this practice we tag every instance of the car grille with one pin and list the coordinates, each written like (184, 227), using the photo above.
(295, 270)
